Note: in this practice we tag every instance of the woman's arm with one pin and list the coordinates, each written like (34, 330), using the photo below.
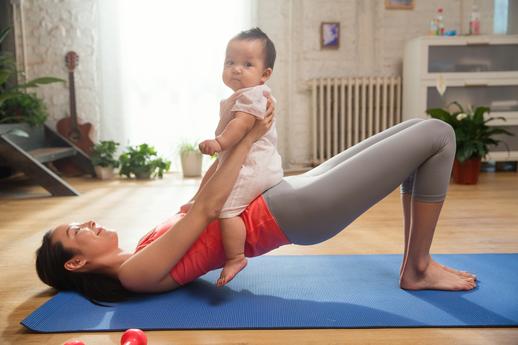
(204, 180)
(145, 270)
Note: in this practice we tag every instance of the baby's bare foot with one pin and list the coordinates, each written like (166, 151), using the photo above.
(230, 269)
(435, 277)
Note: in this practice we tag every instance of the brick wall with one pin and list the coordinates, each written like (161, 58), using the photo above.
(52, 28)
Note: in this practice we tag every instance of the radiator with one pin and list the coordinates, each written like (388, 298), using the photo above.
(347, 110)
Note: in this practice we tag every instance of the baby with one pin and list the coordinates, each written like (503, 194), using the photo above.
(248, 65)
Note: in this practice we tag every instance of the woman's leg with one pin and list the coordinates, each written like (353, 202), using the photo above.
(357, 148)
(406, 186)
(312, 209)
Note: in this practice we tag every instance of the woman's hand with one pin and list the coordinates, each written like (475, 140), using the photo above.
(261, 127)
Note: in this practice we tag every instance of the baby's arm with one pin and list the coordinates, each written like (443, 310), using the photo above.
(235, 130)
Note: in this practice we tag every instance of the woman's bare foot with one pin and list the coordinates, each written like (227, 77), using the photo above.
(230, 269)
(463, 274)
(434, 277)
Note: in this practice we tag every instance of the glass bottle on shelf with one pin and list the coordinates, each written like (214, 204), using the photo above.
(474, 21)
(439, 22)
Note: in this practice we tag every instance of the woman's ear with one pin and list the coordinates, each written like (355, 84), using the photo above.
(266, 74)
(76, 263)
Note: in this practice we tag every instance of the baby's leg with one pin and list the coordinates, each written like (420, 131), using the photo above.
(233, 233)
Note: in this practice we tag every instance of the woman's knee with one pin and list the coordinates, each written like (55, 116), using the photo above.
(441, 128)
(443, 131)
(414, 120)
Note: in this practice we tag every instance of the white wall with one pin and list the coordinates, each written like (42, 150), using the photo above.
(372, 41)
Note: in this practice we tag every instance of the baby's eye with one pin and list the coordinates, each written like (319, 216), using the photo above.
(248, 64)
(229, 62)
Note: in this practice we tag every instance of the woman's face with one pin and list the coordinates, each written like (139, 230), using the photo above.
(90, 241)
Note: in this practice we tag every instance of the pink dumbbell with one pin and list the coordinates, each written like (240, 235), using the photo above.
(134, 336)
(74, 342)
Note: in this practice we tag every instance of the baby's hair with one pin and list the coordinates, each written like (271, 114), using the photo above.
(269, 47)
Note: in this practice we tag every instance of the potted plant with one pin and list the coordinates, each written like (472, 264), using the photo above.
(17, 107)
(143, 162)
(191, 158)
(473, 136)
(16, 104)
(103, 159)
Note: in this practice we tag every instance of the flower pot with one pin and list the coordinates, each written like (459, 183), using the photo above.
(104, 173)
(466, 172)
(191, 163)
(142, 174)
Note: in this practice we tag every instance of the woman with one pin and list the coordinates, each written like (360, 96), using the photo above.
(304, 209)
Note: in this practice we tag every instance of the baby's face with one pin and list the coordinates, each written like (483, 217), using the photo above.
(244, 64)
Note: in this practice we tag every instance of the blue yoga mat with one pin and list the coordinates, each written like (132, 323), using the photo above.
(352, 291)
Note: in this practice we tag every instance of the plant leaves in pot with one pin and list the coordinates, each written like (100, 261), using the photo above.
(103, 159)
(17, 105)
(191, 159)
(473, 136)
(142, 161)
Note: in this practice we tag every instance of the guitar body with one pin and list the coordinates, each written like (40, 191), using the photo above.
(69, 127)
(80, 139)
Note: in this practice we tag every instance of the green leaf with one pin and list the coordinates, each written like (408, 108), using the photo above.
(4, 75)
(439, 113)
(6, 96)
(40, 81)
(461, 109)
(478, 115)
(4, 33)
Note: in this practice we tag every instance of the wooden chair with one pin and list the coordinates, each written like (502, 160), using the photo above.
(42, 146)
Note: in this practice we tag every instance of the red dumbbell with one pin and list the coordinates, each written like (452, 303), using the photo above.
(74, 342)
(133, 336)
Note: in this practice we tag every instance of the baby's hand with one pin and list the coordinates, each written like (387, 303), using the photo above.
(185, 208)
(210, 147)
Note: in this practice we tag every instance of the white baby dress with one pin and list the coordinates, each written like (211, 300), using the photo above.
(263, 166)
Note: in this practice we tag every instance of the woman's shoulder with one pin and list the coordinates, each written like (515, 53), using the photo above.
(158, 231)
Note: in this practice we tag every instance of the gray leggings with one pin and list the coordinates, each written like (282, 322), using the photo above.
(416, 154)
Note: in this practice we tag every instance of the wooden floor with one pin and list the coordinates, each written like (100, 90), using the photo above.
(481, 218)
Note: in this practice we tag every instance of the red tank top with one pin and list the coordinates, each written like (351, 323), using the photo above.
(263, 234)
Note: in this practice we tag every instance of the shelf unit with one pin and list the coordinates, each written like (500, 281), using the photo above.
(476, 70)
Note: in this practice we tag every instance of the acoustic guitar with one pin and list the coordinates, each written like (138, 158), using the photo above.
(69, 127)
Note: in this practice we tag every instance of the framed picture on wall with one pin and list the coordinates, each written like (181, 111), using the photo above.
(330, 35)
(399, 4)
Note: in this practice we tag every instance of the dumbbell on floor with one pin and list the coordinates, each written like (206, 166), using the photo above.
(134, 336)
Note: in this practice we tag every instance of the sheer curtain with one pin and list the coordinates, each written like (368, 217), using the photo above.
(161, 64)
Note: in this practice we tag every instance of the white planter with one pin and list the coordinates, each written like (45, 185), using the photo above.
(104, 173)
(191, 164)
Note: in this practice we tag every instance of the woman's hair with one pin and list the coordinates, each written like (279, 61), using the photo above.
(269, 47)
(50, 261)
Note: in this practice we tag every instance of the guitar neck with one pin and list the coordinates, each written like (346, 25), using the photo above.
(72, 91)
